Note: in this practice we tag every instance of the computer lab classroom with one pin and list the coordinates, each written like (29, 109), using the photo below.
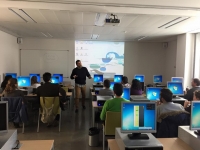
(154, 43)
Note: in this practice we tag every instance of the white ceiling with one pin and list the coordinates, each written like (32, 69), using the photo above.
(65, 24)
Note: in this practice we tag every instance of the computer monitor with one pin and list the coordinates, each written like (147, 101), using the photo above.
(55, 79)
(153, 93)
(139, 77)
(98, 78)
(35, 74)
(60, 77)
(176, 88)
(4, 116)
(177, 79)
(195, 117)
(112, 85)
(137, 118)
(118, 78)
(24, 81)
(14, 75)
(157, 79)
(126, 93)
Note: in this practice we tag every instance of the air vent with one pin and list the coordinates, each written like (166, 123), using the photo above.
(140, 38)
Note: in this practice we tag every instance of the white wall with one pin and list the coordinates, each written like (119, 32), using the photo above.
(9, 52)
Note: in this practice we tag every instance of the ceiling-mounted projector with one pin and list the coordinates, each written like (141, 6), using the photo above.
(106, 19)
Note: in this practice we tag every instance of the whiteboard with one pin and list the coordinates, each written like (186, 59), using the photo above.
(41, 61)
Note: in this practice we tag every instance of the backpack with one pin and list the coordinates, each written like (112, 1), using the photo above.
(47, 113)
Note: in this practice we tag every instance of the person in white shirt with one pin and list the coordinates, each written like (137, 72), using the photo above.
(125, 82)
(34, 82)
(166, 103)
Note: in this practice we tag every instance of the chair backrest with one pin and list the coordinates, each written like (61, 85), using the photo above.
(14, 107)
(48, 101)
(65, 88)
(113, 120)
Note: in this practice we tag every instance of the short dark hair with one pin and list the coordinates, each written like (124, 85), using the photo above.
(77, 61)
(47, 77)
(8, 77)
(136, 85)
(197, 94)
(166, 94)
(124, 79)
(106, 83)
(118, 89)
(195, 80)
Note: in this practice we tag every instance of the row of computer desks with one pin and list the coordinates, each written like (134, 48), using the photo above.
(140, 119)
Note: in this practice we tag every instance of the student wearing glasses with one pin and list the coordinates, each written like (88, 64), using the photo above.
(196, 97)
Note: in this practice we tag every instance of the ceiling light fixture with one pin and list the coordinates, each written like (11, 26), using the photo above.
(49, 34)
(141, 38)
(169, 22)
(44, 34)
(177, 22)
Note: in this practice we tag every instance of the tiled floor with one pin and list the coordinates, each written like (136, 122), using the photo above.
(73, 135)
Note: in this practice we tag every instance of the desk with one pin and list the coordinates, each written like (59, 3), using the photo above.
(168, 144)
(179, 100)
(37, 145)
(94, 107)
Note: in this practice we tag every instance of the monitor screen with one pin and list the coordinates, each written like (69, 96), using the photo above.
(3, 116)
(176, 88)
(35, 74)
(126, 93)
(138, 117)
(153, 93)
(139, 77)
(55, 79)
(195, 115)
(118, 78)
(177, 79)
(112, 85)
(14, 75)
(98, 78)
(60, 77)
(24, 81)
(157, 79)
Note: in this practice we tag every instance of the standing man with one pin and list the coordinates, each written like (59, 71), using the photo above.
(79, 74)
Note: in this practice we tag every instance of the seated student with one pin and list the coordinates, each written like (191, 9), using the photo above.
(195, 86)
(125, 82)
(136, 88)
(196, 97)
(5, 81)
(106, 91)
(34, 82)
(166, 103)
(11, 90)
(49, 89)
(115, 103)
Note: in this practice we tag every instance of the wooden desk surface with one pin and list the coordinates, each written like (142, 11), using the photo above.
(94, 104)
(37, 145)
(168, 144)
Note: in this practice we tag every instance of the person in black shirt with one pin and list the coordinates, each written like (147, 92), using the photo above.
(195, 86)
(196, 97)
(79, 74)
(5, 81)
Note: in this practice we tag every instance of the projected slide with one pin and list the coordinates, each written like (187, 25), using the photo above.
(101, 57)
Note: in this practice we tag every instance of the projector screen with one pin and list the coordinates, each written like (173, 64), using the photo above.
(101, 57)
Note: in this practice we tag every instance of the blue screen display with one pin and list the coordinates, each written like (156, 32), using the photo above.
(153, 93)
(157, 78)
(139, 77)
(55, 79)
(138, 116)
(195, 116)
(37, 75)
(112, 85)
(176, 88)
(14, 75)
(118, 78)
(24, 81)
(126, 93)
(177, 79)
(98, 78)
(60, 77)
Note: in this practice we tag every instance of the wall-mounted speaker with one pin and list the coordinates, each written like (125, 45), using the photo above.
(165, 45)
(19, 40)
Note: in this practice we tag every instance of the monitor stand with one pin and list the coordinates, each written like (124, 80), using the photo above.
(197, 132)
(138, 136)
(176, 97)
